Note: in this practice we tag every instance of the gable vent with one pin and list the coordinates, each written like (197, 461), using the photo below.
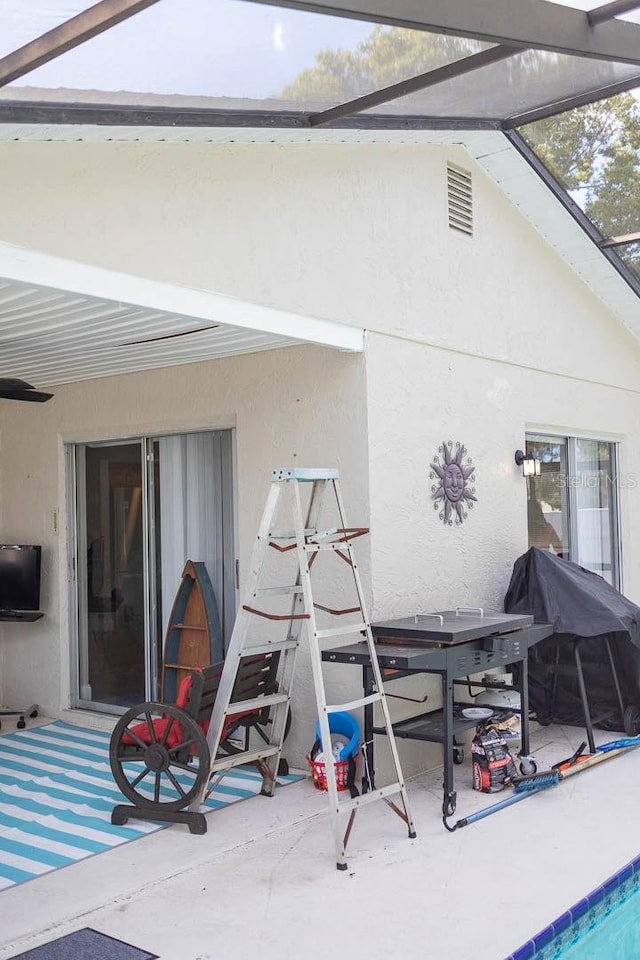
(459, 200)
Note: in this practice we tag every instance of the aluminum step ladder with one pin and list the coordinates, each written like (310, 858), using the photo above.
(277, 602)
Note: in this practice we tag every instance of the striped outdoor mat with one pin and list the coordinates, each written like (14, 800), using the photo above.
(56, 797)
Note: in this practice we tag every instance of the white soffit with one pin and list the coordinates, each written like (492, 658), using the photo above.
(528, 192)
(62, 321)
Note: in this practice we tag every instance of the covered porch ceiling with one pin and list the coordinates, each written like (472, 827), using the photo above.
(287, 70)
(62, 321)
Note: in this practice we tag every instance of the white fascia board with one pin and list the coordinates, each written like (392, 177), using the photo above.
(44, 270)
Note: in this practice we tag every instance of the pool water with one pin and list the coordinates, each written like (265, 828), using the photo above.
(605, 925)
(616, 934)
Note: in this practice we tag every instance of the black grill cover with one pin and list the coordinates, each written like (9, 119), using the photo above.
(580, 605)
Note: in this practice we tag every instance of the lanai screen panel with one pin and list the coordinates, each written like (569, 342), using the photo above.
(514, 86)
(226, 54)
(236, 54)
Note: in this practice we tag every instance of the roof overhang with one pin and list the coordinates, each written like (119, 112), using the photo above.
(62, 321)
(568, 233)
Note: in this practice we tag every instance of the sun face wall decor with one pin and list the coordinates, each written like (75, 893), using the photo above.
(454, 474)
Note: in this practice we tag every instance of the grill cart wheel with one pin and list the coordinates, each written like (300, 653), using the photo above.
(528, 767)
(159, 757)
(631, 720)
(458, 754)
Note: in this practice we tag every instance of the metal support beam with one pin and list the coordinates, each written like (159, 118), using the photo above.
(439, 75)
(572, 207)
(67, 35)
(610, 10)
(621, 241)
(536, 24)
(570, 103)
(111, 115)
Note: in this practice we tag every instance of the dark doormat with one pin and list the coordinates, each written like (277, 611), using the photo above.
(86, 944)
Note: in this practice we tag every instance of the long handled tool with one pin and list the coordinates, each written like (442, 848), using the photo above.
(521, 790)
(523, 787)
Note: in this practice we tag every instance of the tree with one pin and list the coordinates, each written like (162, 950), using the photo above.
(388, 55)
(593, 151)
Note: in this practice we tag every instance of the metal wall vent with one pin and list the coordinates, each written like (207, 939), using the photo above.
(459, 199)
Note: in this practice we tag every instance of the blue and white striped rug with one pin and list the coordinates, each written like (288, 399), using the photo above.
(56, 797)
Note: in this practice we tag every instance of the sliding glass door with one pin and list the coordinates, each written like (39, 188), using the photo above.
(573, 503)
(143, 509)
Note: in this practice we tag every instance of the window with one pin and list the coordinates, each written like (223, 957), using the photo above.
(573, 505)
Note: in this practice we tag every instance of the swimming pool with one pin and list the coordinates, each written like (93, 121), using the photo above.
(603, 925)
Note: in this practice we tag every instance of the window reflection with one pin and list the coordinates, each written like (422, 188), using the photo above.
(572, 506)
(547, 502)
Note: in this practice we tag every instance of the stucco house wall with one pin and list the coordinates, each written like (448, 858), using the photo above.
(283, 406)
(471, 339)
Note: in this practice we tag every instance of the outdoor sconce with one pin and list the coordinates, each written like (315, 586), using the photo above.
(530, 465)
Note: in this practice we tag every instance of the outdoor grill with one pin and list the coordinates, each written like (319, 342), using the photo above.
(455, 644)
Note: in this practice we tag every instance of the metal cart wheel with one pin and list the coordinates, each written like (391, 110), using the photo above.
(528, 766)
(631, 720)
(458, 754)
(159, 765)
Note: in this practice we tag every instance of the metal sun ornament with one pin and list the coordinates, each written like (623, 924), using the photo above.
(454, 474)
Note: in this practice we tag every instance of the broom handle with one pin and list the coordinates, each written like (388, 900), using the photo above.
(501, 804)
(591, 761)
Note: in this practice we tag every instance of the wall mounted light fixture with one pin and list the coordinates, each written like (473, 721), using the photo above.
(530, 465)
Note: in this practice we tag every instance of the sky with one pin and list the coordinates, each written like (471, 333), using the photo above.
(210, 48)
(192, 47)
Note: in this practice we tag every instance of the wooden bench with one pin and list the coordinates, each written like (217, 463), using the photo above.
(159, 754)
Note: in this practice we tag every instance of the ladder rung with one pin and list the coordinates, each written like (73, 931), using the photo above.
(341, 631)
(278, 591)
(336, 546)
(264, 648)
(354, 704)
(289, 534)
(317, 536)
(305, 473)
(247, 756)
(338, 535)
(256, 703)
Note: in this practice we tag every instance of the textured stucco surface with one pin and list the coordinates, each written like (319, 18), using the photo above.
(351, 232)
(470, 339)
(282, 415)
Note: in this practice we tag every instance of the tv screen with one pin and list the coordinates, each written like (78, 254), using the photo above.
(20, 577)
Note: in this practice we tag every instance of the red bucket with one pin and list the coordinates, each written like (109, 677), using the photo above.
(319, 773)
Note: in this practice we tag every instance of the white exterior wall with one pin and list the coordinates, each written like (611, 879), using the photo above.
(283, 405)
(356, 233)
(471, 339)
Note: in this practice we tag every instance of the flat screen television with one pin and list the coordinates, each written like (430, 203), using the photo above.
(20, 576)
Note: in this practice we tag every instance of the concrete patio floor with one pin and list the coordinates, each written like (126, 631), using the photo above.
(262, 882)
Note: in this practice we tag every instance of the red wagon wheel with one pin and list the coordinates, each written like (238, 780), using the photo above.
(159, 756)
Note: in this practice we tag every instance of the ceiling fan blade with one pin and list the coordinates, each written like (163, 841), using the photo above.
(10, 383)
(35, 396)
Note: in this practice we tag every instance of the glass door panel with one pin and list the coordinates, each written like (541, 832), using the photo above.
(111, 575)
(547, 501)
(595, 512)
(143, 508)
(573, 504)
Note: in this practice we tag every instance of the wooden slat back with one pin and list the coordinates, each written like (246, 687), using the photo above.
(256, 677)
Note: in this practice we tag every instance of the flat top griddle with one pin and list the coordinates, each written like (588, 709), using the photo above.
(448, 626)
